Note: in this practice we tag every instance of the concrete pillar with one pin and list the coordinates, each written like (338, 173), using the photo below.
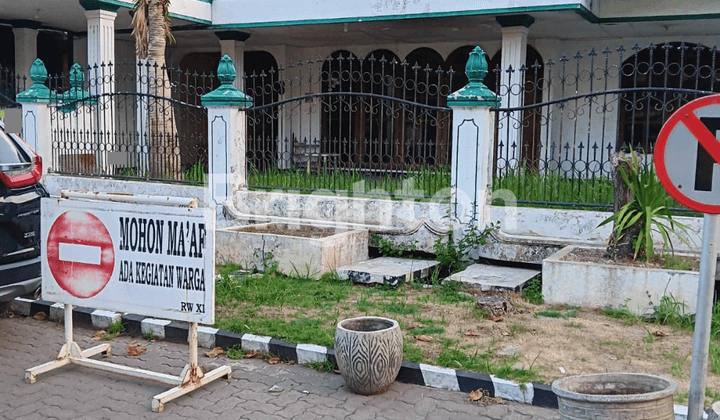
(101, 48)
(514, 51)
(473, 135)
(232, 44)
(25, 51)
(226, 136)
(101, 58)
(36, 127)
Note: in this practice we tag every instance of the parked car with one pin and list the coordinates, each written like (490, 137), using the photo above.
(20, 193)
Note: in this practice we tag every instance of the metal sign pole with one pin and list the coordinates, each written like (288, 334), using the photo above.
(703, 316)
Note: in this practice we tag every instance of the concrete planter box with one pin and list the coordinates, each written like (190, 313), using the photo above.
(579, 283)
(323, 251)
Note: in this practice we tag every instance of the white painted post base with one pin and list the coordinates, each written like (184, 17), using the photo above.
(189, 380)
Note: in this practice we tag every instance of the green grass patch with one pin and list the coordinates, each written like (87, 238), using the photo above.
(424, 182)
(400, 308)
(623, 313)
(274, 289)
(533, 292)
(553, 187)
(564, 312)
(412, 352)
(114, 329)
(300, 330)
(487, 363)
(450, 293)
(428, 330)
(236, 352)
(327, 366)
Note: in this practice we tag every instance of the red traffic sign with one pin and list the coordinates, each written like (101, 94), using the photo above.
(80, 253)
(687, 152)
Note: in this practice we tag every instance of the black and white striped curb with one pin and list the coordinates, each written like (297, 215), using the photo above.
(536, 394)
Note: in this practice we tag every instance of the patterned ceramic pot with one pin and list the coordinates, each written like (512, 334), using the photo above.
(368, 350)
(615, 396)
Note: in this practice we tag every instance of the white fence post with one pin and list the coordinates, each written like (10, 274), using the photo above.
(473, 133)
(36, 114)
(226, 135)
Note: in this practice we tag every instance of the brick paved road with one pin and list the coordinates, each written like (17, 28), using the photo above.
(77, 393)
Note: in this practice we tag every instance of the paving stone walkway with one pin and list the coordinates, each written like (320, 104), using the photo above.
(75, 392)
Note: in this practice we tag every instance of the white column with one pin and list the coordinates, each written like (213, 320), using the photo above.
(236, 51)
(514, 50)
(101, 45)
(25, 53)
(100, 54)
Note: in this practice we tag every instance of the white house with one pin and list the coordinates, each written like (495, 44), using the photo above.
(590, 75)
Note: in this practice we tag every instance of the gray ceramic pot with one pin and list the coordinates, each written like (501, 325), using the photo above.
(615, 396)
(369, 353)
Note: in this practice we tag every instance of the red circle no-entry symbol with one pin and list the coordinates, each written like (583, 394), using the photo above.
(80, 253)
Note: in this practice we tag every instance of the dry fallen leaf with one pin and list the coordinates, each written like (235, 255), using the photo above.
(98, 335)
(135, 349)
(40, 316)
(253, 355)
(476, 395)
(659, 333)
(506, 334)
(495, 319)
(217, 351)
(274, 360)
(425, 338)
(471, 334)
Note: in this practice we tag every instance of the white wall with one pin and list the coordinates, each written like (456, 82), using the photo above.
(257, 11)
(626, 8)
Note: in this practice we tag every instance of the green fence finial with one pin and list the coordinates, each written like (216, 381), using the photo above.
(76, 92)
(476, 68)
(226, 70)
(226, 94)
(38, 92)
(475, 93)
(77, 77)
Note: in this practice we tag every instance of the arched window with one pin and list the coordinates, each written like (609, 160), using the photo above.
(377, 129)
(457, 61)
(340, 73)
(262, 85)
(426, 139)
(533, 82)
(657, 80)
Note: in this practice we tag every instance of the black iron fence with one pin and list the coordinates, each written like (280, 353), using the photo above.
(561, 120)
(142, 125)
(10, 85)
(350, 124)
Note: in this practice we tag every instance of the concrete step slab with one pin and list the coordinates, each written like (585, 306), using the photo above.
(387, 270)
(490, 277)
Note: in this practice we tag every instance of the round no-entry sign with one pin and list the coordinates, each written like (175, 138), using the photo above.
(687, 153)
(80, 253)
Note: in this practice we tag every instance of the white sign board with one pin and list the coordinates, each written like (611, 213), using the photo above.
(143, 259)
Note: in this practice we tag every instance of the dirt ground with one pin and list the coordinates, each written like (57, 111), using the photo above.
(588, 342)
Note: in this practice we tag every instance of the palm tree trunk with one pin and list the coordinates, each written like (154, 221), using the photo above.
(163, 142)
